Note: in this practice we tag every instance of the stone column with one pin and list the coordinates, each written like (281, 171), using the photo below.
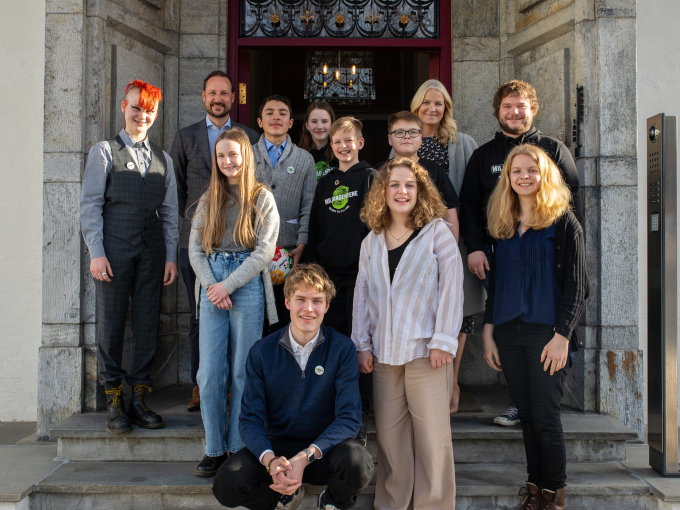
(615, 198)
(61, 364)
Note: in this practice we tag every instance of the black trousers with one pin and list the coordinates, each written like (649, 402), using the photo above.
(339, 317)
(137, 282)
(243, 481)
(189, 278)
(537, 395)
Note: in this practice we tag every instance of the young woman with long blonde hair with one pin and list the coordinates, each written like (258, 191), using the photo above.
(408, 308)
(537, 291)
(233, 238)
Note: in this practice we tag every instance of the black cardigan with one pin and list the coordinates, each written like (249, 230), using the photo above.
(570, 271)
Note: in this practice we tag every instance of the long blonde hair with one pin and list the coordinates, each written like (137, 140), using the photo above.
(219, 196)
(429, 204)
(552, 198)
(446, 132)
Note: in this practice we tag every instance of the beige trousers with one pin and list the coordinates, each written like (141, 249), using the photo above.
(415, 454)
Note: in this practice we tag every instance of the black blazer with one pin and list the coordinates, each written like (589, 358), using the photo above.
(191, 157)
(570, 271)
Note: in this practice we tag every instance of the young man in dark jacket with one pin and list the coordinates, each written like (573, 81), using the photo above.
(515, 104)
(301, 410)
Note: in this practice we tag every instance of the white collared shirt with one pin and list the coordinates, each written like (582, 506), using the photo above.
(302, 352)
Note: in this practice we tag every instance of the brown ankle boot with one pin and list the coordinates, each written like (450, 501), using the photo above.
(532, 497)
(552, 500)
(195, 402)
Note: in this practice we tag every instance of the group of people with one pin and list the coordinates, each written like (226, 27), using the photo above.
(390, 264)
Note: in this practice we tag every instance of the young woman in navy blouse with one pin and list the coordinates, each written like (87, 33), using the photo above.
(537, 292)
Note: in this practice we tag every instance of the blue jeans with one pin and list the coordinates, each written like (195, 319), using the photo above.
(244, 322)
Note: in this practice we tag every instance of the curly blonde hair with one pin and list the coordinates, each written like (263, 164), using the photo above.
(552, 199)
(448, 127)
(429, 204)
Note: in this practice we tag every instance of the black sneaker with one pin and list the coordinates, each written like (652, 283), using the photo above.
(509, 418)
(323, 503)
(291, 502)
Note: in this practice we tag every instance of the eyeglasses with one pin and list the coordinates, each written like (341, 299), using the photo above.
(401, 133)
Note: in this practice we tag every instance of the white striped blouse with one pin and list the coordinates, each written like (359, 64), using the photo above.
(421, 309)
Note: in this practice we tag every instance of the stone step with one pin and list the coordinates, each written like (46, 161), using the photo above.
(589, 438)
(172, 485)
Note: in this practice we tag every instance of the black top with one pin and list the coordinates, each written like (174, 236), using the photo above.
(321, 166)
(483, 171)
(441, 181)
(335, 229)
(570, 273)
(431, 149)
(394, 255)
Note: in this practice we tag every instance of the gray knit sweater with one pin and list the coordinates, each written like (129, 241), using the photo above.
(293, 183)
(266, 231)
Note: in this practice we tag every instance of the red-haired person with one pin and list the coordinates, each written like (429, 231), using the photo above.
(128, 215)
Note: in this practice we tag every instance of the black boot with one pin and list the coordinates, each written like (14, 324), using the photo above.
(138, 411)
(209, 465)
(117, 421)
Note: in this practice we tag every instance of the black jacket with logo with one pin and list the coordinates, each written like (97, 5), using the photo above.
(484, 169)
(335, 229)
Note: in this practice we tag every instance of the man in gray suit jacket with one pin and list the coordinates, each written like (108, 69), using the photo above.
(192, 154)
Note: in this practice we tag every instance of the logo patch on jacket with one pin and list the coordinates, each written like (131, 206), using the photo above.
(496, 169)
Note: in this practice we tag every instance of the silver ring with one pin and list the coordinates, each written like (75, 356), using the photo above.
(445, 362)
(104, 274)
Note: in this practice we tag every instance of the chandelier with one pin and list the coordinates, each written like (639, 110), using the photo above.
(340, 77)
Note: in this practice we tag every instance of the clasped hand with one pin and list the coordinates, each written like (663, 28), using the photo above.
(287, 475)
(218, 296)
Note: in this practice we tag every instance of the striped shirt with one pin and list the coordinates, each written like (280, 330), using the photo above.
(422, 309)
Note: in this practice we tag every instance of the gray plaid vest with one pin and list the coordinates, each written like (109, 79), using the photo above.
(131, 201)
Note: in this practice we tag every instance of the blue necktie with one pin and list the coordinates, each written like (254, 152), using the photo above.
(273, 155)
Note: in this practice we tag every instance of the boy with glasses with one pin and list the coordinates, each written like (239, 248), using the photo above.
(404, 134)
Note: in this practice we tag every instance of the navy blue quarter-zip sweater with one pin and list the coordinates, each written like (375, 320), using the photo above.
(320, 404)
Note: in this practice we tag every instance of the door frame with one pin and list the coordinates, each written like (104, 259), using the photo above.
(239, 68)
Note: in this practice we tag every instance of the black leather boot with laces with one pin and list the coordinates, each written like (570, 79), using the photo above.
(139, 412)
(117, 421)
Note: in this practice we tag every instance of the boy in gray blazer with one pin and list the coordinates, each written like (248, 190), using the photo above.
(290, 174)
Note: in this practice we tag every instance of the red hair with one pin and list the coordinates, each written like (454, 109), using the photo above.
(149, 96)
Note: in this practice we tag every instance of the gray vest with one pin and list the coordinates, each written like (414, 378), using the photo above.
(131, 201)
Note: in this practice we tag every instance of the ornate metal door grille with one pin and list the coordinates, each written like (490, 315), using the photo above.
(417, 19)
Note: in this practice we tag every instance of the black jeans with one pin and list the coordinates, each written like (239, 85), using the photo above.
(339, 317)
(243, 481)
(537, 395)
(189, 278)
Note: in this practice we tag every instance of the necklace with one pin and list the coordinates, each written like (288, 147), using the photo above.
(398, 238)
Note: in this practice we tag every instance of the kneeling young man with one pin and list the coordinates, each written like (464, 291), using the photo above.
(300, 411)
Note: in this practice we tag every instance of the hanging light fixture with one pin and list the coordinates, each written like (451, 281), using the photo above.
(351, 83)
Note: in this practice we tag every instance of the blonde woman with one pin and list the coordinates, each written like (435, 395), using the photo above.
(408, 308)
(233, 238)
(537, 292)
(451, 149)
